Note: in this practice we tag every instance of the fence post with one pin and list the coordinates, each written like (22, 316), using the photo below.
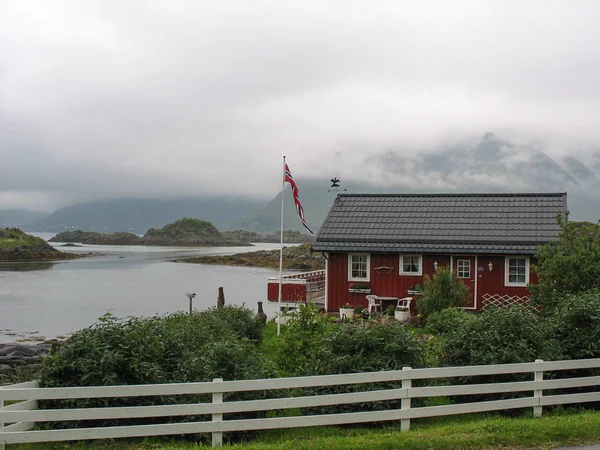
(1, 426)
(539, 376)
(217, 397)
(405, 402)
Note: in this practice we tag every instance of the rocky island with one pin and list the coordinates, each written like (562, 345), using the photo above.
(15, 245)
(95, 238)
(185, 232)
(294, 258)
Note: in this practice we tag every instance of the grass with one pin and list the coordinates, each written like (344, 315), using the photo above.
(561, 428)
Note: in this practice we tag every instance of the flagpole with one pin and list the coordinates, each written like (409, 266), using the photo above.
(280, 252)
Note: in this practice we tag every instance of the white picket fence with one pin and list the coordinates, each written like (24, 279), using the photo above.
(19, 417)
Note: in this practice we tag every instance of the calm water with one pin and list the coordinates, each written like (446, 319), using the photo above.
(56, 299)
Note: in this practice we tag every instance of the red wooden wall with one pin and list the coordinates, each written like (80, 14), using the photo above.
(389, 282)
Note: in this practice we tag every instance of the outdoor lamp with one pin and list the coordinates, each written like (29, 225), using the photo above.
(490, 266)
(435, 265)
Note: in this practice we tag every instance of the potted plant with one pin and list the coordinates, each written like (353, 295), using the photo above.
(360, 288)
(347, 311)
(401, 313)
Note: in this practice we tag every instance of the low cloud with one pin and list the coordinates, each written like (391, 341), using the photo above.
(105, 99)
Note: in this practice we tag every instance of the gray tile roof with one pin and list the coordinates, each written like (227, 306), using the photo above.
(448, 223)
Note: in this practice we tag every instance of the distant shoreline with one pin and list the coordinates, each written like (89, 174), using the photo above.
(294, 258)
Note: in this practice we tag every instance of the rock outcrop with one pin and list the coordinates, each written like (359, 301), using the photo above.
(294, 258)
(15, 245)
(20, 360)
(94, 238)
(188, 232)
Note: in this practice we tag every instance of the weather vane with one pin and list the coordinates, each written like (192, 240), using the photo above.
(335, 185)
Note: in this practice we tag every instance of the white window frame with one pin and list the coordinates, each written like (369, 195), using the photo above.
(414, 274)
(506, 271)
(458, 261)
(350, 277)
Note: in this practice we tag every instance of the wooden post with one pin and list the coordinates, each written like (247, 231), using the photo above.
(405, 402)
(217, 397)
(2, 426)
(539, 376)
(221, 298)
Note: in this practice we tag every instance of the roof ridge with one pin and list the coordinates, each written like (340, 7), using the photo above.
(482, 194)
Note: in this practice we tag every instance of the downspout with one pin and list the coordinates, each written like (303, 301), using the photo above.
(476, 279)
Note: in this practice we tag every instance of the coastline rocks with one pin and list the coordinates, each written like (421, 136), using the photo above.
(20, 359)
(289, 237)
(15, 245)
(295, 258)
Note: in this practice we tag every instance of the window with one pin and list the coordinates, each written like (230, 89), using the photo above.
(410, 265)
(359, 266)
(463, 267)
(517, 271)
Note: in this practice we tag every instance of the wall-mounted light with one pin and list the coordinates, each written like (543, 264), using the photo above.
(490, 266)
(435, 265)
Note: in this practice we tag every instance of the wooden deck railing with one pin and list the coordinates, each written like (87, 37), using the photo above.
(17, 420)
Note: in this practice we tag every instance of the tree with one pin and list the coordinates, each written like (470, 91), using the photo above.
(568, 265)
(443, 290)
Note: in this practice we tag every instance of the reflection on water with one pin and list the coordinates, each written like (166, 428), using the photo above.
(25, 266)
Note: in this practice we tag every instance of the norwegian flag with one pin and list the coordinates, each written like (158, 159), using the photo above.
(290, 179)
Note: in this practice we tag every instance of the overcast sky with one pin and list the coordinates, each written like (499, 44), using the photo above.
(125, 98)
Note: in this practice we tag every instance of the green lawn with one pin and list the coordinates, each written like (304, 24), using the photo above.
(466, 432)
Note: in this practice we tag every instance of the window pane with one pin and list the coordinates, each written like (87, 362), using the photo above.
(411, 264)
(517, 270)
(358, 266)
(464, 268)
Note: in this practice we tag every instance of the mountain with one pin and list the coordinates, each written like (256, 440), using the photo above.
(19, 217)
(493, 164)
(138, 215)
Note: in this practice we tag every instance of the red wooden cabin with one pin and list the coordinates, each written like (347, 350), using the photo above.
(392, 241)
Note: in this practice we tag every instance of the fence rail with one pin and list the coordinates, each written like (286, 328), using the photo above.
(19, 418)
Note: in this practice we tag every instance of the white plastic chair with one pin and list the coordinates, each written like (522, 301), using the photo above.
(404, 302)
(374, 303)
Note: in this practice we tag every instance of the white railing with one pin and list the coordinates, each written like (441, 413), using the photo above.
(22, 416)
(314, 282)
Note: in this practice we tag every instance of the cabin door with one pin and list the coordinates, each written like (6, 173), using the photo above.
(465, 270)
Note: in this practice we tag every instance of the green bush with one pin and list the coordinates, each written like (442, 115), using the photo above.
(443, 290)
(310, 347)
(143, 350)
(577, 325)
(568, 265)
(218, 343)
(500, 336)
(300, 340)
(448, 320)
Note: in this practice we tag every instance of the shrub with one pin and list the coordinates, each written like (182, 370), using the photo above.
(300, 340)
(443, 290)
(577, 325)
(568, 265)
(218, 343)
(500, 336)
(448, 320)
(355, 348)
